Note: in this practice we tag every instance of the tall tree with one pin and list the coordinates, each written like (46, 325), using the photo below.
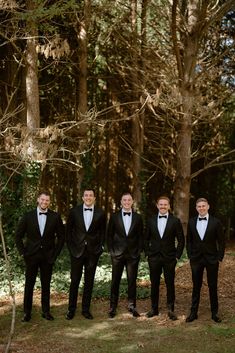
(32, 91)
(138, 44)
(190, 22)
(82, 29)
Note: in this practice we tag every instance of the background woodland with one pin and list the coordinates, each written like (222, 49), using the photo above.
(118, 95)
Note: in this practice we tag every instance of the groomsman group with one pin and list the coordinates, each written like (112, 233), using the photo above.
(40, 237)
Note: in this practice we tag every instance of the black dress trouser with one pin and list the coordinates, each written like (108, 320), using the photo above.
(34, 263)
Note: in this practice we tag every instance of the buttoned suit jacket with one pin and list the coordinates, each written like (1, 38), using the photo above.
(78, 238)
(29, 240)
(212, 246)
(119, 242)
(166, 246)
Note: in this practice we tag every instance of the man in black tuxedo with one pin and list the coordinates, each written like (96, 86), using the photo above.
(85, 235)
(39, 239)
(205, 244)
(125, 243)
(162, 233)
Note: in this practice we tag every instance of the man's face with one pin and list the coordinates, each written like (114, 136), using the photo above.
(163, 206)
(43, 202)
(127, 202)
(202, 208)
(88, 198)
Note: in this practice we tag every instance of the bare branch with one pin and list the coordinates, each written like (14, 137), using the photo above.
(216, 162)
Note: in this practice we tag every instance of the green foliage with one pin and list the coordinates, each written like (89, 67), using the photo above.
(18, 195)
(223, 331)
(42, 13)
(61, 276)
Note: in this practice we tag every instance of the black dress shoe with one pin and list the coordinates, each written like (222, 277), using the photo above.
(216, 318)
(151, 313)
(112, 313)
(47, 316)
(191, 317)
(26, 318)
(70, 315)
(172, 316)
(87, 315)
(134, 312)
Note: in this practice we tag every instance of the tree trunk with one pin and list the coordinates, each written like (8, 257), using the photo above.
(82, 108)
(138, 119)
(186, 57)
(32, 91)
(183, 162)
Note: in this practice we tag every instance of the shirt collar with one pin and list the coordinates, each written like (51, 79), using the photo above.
(130, 211)
(165, 214)
(206, 216)
(44, 211)
(85, 206)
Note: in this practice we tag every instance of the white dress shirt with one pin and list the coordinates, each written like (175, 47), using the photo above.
(127, 219)
(202, 225)
(161, 223)
(41, 220)
(88, 215)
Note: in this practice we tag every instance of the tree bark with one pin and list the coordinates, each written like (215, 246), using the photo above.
(32, 91)
(186, 56)
(138, 119)
(195, 18)
(82, 91)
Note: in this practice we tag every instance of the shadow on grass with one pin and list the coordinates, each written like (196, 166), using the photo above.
(121, 334)
(124, 333)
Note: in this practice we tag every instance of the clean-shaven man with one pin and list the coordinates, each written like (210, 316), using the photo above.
(164, 245)
(125, 243)
(205, 244)
(85, 235)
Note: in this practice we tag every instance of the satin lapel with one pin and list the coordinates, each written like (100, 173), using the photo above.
(80, 216)
(35, 221)
(208, 227)
(168, 223)
(48, 220)
(155, 226)
(133, 221)
(95, 213)
(195, 227)
(120, 222)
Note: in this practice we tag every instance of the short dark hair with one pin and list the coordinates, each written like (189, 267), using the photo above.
(89, 189)
(126, 193)
(44, 192)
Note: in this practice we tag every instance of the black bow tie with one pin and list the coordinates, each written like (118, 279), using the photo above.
(44, 213)
(87, 209)
(162, 216)
(202, 219)
(126, 213)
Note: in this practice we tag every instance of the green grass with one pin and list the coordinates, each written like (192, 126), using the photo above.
(123, 334)
(119, 335)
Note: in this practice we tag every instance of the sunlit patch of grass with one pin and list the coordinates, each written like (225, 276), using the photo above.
(227, 332)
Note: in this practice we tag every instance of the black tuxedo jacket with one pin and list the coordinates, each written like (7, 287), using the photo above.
(78, 238)
(165, 246)
(117, 240)
(29, 239)
(212, 246)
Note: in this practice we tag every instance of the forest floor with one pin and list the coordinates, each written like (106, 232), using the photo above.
(125, 333)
